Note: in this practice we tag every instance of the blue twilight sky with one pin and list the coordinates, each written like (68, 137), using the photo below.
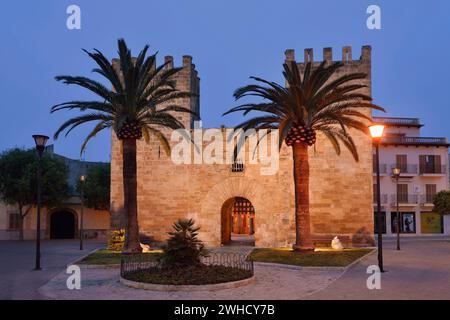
(229, 41)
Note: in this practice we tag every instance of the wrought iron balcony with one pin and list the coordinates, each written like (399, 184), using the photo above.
(411, 169)
(404, 199)
(397, 121)
(425, 141)
(383, 198)
(426, 198)
(383, 169)
(432, 169)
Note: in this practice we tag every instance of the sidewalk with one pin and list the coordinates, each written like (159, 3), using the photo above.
(421, 270)
(18, 280)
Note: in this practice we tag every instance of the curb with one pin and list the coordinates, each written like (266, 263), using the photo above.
(98, 266)
(294, 267)
(77, 260)
(206, 287)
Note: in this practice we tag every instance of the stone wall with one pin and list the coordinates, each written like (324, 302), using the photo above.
(340, 189)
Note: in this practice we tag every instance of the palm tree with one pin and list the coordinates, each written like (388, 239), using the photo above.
(137, 103)
(310, 103)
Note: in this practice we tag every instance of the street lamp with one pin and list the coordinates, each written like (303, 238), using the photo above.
(82, 179)
(396, 174)
(376, 131)
(40, 141)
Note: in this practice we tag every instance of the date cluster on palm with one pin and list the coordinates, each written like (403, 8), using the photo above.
(130, 130)
(301, 134)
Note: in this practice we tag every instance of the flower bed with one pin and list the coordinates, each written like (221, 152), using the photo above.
(193, 275)
(213, 269)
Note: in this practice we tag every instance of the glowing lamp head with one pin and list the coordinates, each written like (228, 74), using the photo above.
(82, 178)
(395, 172)
(40, 141)
(376, 131)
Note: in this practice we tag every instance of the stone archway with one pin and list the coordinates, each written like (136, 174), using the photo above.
(238, 221)
(220, 198)
(63, 224)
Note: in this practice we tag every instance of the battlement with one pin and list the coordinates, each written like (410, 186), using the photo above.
(346, 58)
(186, 80)
(186, 62)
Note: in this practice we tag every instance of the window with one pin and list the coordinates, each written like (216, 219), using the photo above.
(402, 191)
(407, 222)
(430, 164)
(430, 191)
(402, 162)
(237, 166)
(14, 221)
(431, 223)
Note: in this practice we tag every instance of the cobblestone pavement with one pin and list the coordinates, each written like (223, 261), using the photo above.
(271, 283)
(421, 270)
(17, 260)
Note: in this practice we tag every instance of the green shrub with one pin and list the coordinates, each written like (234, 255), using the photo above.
(116, 240)
(183, 247)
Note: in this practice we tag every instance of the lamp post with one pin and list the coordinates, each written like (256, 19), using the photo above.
(82, 179)
(40, 141)
(396, 174)
(376, 131)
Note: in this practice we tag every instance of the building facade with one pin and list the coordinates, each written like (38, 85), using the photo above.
(234, 199)
(423, 163)
(62, 222)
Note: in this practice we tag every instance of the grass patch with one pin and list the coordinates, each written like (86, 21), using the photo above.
(324, 258)
(105, 257)
(194, 275)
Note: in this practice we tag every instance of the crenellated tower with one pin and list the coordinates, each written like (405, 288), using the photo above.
(363, 64)
(186, 80)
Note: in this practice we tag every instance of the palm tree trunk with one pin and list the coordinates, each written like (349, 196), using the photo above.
(301, 184)
(132, 244)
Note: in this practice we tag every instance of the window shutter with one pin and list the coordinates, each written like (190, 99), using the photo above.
(401, 160)
(402, 190)
(437, 164)
(422, 161)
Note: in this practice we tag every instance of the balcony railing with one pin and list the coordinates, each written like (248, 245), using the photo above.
(415, 141)
(383, 198)
(406, 169)
(404, 199)
(432, 169)
(426, 198)
(383, 168)
(397, 121)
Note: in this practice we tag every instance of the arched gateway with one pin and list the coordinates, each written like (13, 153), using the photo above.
(62, 224)
(237, 222)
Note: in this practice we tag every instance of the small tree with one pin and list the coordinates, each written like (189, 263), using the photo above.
(183, 247)
(96, 187)
(441, 202)
(18, 181)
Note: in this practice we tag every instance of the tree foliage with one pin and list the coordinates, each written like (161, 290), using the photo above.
(96, 187)
(18, 179)
(441, 202)
(183, 247)
(311, 102)
(130, 103)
